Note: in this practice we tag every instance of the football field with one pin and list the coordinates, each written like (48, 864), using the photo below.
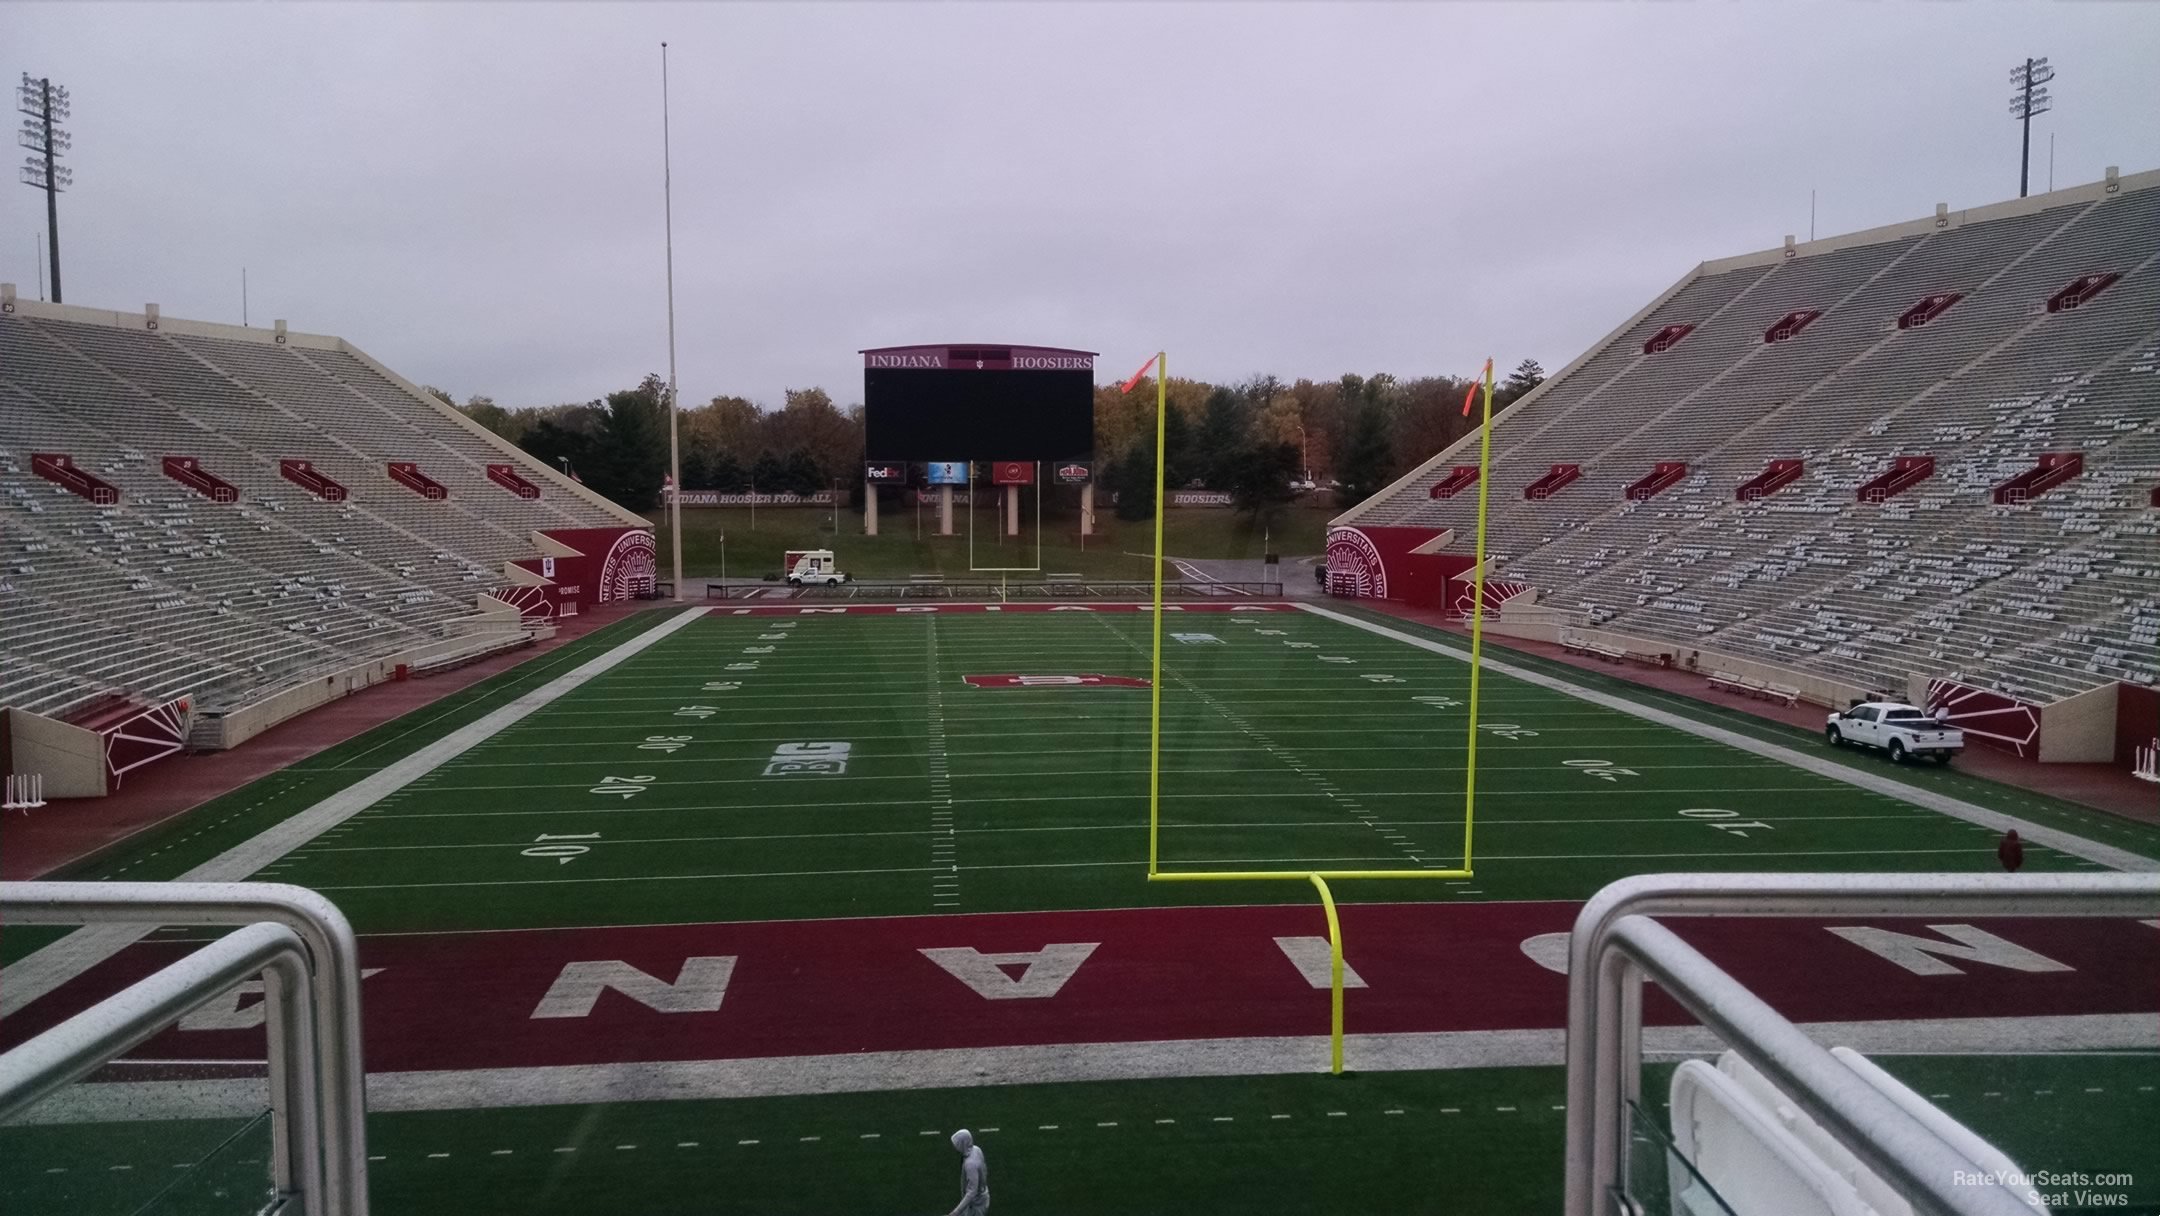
(768, 899)
(793, 763)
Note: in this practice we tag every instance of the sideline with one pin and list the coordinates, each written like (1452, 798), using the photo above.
(2054, 838)
(953, 1068)
(45, 969)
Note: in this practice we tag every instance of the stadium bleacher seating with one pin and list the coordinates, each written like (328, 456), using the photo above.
(168, 591)
(2042, 596)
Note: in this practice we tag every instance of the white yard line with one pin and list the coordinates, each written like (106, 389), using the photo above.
(41, 971)
(866, 1072)
(1821, 766)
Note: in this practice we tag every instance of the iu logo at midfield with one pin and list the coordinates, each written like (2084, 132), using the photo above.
(1072, 681)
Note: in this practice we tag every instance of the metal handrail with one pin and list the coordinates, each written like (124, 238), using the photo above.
(1608, 952)
(333, 978)
(80, 1045)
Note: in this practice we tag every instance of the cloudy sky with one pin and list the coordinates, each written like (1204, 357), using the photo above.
(472, 193)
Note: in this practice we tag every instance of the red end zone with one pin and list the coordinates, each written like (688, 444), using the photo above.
(790, 988)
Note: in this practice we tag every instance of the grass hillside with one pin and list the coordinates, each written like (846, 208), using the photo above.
(898, 551)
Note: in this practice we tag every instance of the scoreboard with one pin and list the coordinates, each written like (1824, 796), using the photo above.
(976, 402)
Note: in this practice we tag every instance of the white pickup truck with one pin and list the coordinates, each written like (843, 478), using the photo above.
(1895, 727)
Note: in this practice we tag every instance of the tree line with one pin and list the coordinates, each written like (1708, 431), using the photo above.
(1251, 439)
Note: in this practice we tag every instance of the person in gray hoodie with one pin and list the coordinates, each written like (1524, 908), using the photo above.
(974, 1176)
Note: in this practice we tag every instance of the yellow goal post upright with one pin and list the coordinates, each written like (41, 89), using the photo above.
(1318, 878)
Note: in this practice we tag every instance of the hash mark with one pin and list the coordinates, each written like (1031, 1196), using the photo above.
(808, 1139)
(501, 1152)
(1225, 1119)
(1166, 1120)
(566, 1149)
(686, 1144)
(435, 1156)
(754, 1142)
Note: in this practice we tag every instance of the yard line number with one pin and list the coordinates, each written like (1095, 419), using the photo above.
(1725, 821)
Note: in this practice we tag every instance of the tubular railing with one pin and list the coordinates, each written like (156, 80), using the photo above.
(1616, 943)
(317, 1073)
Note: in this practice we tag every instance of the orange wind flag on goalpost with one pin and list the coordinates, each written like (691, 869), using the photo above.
(1128, 385)
(1469, 398)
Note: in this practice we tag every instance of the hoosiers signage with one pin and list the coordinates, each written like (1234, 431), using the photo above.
(1074, 472)
(1075, 681)
(1012, 473)
(885, 473)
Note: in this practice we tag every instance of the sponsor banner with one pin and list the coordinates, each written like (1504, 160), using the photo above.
(946, 473)
(929, 497)
(1012, 473)
(885, 472)
(981, 358)
(1074, 472)
(717, 498)
(1072, 681)
(1199, 498)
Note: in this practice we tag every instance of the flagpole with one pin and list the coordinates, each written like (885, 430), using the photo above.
(667, 171)
(1477, 617)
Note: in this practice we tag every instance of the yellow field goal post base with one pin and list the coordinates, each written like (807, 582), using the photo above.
(1318, 878)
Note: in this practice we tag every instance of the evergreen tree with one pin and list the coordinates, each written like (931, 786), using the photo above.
(1133, 480)
(768, 475)
(800, 471)
(1527, 375)
(1218, 450)
(1365, 465)
(725, 474)
(1260, 477)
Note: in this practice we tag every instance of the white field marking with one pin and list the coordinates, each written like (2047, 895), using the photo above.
(1101, 827)
(994, 800)
(43, 970)
(1303, 863)
(2060, 841)
(1179, 771)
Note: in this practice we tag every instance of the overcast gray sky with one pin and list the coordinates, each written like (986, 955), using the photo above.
(472, 193)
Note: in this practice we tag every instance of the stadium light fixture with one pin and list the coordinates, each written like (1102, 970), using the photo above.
(2029, 97)
(44, 106)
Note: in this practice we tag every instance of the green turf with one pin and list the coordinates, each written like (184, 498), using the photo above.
(1118, 551)
(172, 848)
(1483, 1140)
(1473, 1140)
(1281, 752)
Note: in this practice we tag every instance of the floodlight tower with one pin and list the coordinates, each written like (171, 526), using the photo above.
(45, 105)
(2029, 98)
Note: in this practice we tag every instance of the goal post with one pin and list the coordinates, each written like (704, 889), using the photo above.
(1317, 877)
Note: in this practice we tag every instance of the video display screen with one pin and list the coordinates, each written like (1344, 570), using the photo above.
(919, 413)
